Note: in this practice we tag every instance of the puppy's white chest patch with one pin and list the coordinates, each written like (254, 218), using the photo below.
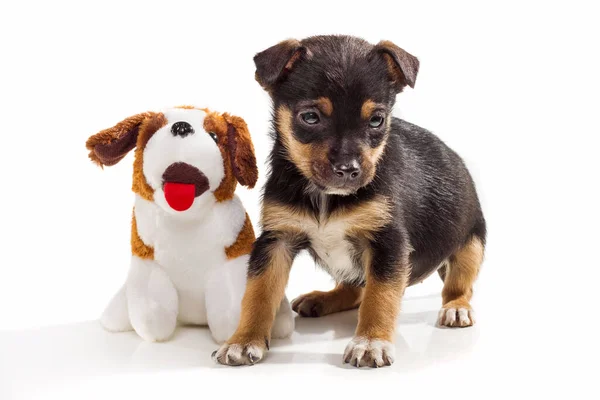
(329, 243)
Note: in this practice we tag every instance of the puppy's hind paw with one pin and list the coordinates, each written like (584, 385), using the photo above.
(456, 316)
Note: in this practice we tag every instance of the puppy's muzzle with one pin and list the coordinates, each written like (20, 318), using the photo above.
(182, 183)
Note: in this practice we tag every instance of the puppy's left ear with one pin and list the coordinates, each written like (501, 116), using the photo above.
(402, 66)
(241, 151)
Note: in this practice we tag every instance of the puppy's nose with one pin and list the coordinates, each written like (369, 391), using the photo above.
(182, 129)
(349, 170)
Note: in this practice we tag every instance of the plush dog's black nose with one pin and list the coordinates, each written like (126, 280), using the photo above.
(349, 170)
(182, 129)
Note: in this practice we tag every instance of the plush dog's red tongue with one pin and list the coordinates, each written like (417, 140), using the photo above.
(180, 196)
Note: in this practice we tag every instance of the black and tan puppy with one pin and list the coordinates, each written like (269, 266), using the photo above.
(378, 202)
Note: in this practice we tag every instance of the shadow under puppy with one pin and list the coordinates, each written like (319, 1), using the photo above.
(190, 234)
(378, 202)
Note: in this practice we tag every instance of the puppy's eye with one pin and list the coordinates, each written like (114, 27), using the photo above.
(214, 136)
(310, 117)
(376, 121)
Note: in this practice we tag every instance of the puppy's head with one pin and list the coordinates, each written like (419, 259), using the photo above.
(185, 158)
(333, 98)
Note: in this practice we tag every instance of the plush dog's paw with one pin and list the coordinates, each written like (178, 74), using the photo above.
(456, 315)
(363, 352)
(241, 352)
(154, 323)
(312, 305)
(284, 323)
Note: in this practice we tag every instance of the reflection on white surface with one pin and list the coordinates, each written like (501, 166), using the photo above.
(36, 361)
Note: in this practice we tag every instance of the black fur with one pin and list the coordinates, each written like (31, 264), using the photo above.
(435, 205)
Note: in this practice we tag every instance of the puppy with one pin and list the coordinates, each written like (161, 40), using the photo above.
(190, 235)
(378, 202)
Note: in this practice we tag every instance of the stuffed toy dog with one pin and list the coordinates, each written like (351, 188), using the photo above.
(190, 235)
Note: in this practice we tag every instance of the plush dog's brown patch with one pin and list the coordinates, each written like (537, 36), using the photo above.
(243, 243)
(147, 128)
(109, 146)
(237, 151)
(138, 247)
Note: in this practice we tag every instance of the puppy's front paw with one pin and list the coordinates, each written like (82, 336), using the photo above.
(364, 352)
(456, 315)
(241, 352)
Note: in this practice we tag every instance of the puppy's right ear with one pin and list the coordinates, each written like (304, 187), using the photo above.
(274, 63)
(109, 146)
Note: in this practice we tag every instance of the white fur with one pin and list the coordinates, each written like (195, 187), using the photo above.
(363, 352)
(456, 317)
(190, 280)
(328, 240)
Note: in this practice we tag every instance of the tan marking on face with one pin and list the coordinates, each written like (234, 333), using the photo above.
(461, 272)
(367, 109)
(302, 155)
(243, 243)
(138, 247)
(147, 128)
(262, 297)
(325, 105)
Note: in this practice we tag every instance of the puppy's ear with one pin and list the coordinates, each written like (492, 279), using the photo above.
(109, 146)
(241, 151)
(402, 66)
(274, 63)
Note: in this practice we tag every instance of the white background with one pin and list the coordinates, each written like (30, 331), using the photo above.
(512, 87)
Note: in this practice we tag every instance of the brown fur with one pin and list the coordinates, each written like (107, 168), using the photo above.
(461, 272)
(325, 105)
(109, 146)
(243, 160)
(402, 66)
(317, 304)
(262, 298)
(304, 156)
(360, 220)
(237, 150)
(243, 243)
(214, 122)
(138, 247)
(110, 137)
(380, 306)
(147, 128)
(367, 109)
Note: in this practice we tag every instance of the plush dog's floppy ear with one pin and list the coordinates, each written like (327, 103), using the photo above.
(274, 63)
(241, 151)
(109, 146)
(403, 67)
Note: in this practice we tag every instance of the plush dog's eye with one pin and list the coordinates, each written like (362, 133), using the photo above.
(214, 136)
(376, 121)
(310, 117)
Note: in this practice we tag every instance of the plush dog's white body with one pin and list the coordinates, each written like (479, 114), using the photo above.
(187, 266)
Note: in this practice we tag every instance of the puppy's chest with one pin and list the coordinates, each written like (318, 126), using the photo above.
(333, 250)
